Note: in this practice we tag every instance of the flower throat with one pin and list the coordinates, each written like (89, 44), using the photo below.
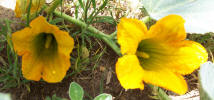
(45, 45)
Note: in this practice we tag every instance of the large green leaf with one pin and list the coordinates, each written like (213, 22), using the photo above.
(75, 91)
(206, 79)
(198, 14)
(4, 96)
(103, 96)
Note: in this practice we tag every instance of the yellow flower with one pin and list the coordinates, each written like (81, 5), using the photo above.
(22, 6)
(158, 56)
(45, 51)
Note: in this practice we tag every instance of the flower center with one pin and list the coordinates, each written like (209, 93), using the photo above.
(45, 45)
(142, 54)
(151, 53)
(142, 50)
(48, 41)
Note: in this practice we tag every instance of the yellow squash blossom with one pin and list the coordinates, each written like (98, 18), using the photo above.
(22, 7)
(158, 56)
(45, 51)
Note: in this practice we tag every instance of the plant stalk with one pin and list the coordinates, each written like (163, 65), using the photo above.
(106, 38)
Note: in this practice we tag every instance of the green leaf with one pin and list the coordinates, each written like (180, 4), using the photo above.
(3, 29)
(158, 93)
(4, 96)
(54, 97)
(48, 98)
(94, 4)
(103, 5)
(3, 61)
(206, 81)
(10, 84)
(1, 48)
(75, 91)
(198, 14)
(103, 96)
(55, 21)
(4, 78)
(81, 4)
(28, 13)
(105, 19)
(76, 10)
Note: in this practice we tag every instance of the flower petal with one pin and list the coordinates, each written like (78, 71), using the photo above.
(181, 57)
(189, 56)
(169, 29)
(55, 69)
(166, 79)
(40, 25)
(22, 5)
(129, 33)
(65, 42)
(18, 10)
(31, 67)
(22, 40)
(36, 5)
(129, 72)
(49, 61)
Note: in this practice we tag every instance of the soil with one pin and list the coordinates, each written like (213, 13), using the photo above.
(101, 80)
(6, 13)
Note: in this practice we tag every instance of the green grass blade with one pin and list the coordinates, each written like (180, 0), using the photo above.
(81, 4)
(103, 5)
(94, 4)
(76, 10)
(105, 19)
(57, 20)
(28, 13)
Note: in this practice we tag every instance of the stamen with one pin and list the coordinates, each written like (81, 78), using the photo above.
(142, 54)
(48, 41)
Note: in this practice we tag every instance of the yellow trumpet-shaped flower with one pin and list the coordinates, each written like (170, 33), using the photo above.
(158, 56)
(22, 6)
(45, 51)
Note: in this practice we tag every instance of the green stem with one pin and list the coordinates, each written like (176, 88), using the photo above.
(53, 6)
(113, 35)
(7, 22)
(106, 38)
